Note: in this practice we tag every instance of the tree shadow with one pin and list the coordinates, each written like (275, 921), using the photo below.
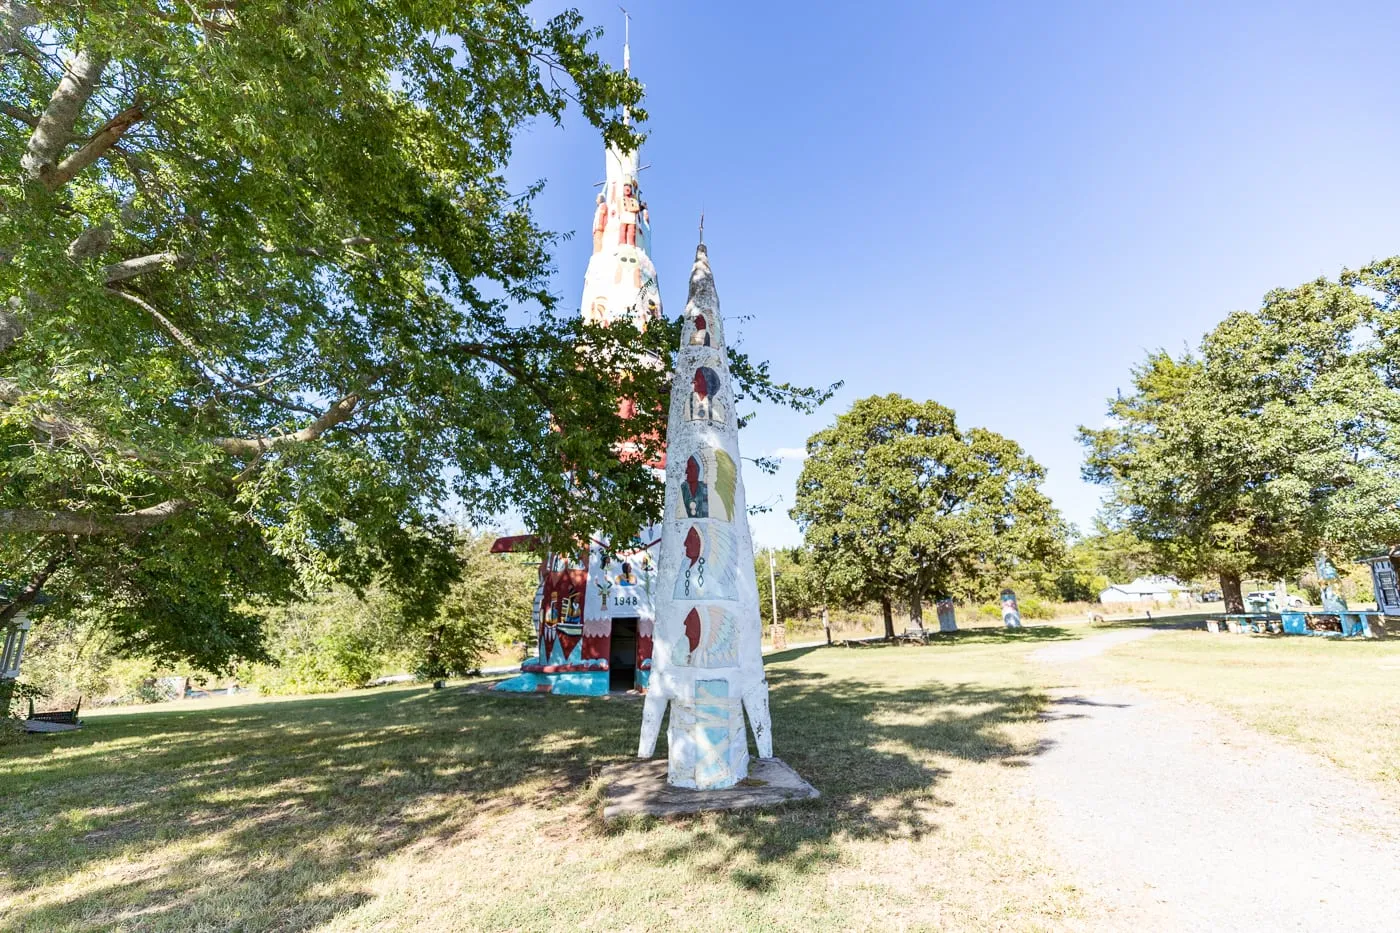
(267, 803)
(990, 635)
(283, 809)
(867, 747)
(1177, 622)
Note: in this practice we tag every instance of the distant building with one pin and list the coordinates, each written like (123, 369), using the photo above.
(1145, 590)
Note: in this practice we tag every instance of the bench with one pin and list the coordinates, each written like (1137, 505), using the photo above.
(67, 717)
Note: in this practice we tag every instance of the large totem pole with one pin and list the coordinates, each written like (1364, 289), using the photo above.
(707, 655)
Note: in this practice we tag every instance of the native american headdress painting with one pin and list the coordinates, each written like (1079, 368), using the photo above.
(710, 639)
(704, 403)
(707, 489)
(708, 569)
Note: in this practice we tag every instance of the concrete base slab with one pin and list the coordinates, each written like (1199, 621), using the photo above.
(639, 787)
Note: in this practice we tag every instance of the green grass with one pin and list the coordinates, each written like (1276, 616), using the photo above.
(410, 809)
(1337, 698)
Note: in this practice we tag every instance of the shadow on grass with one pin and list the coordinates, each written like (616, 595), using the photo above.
(869, 749)
(989, 635)
(278, 812)
(1186, 621)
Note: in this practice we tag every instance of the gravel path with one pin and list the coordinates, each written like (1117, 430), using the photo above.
(1179, 818)
(1083, 648)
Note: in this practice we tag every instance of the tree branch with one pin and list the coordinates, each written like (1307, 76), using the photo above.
(11, 327)
(131, 268)
(104, 139)
(141, 265)
(20, 114)
(15, 17)
(54, 130)
(89, 523)
(26, 597)
(255, 446)
(180, 336)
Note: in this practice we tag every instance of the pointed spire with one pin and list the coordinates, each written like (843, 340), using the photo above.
(626, 40)
(701, 326)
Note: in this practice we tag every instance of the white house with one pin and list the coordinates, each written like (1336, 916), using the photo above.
(1145, 590)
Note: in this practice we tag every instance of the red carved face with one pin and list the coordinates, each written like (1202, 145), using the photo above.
(692, 475)
(702, 388)
(700, 322)
(692, 629)
(693, 545)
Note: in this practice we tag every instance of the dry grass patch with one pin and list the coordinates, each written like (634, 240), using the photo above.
(406, 809)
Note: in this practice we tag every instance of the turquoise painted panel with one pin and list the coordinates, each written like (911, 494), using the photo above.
(1295, 622)
(582, 683)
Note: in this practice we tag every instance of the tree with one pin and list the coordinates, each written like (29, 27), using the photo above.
(798, 595)
(1277, 440)
(489, 604)
(268, 307)
(896, 500)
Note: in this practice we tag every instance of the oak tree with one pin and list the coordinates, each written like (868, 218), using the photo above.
(1280, 437)
(268, 306)
(897, 501)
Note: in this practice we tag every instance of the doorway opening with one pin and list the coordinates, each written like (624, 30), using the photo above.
(622, 655)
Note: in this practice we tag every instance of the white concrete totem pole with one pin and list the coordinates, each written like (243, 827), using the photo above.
(707, 654)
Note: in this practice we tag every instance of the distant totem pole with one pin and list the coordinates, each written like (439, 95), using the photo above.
(947, 615)
(1327, 575)
(707, 654)
(1010, 610)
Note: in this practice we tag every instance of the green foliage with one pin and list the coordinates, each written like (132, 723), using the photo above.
(268, 306)
(799, 596)
(1031, 607)
(1281, 436)
(896, 500)
(487, 607)
(330, 641)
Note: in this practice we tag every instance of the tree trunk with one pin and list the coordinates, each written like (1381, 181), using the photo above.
(889, 616)
(916, 613)
(1230, 588)
(826, 624)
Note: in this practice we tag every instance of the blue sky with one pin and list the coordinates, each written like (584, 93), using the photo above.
(1001, 207)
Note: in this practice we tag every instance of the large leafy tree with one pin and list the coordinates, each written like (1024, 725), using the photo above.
(896, 500)
(1279, 438)
(268, 305)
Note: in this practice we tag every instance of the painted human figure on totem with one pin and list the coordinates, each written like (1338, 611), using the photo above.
(695, 493)
(600, 223)
(704, 388)
(627, 260)
(700, 336)
(629, 211)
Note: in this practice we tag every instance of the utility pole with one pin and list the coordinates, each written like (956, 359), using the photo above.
(779, 636)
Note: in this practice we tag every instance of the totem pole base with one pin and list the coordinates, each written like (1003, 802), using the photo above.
(638, 788)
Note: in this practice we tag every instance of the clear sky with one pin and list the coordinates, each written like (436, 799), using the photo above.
(1001, 207)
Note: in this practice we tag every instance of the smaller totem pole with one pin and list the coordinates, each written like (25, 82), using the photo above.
(1010, 610)
(707, 654)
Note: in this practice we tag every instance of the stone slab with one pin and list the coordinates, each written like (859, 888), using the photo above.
(639, 787)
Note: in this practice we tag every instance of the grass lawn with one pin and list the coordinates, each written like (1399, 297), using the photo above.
(1337, 698)
(407, 809)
